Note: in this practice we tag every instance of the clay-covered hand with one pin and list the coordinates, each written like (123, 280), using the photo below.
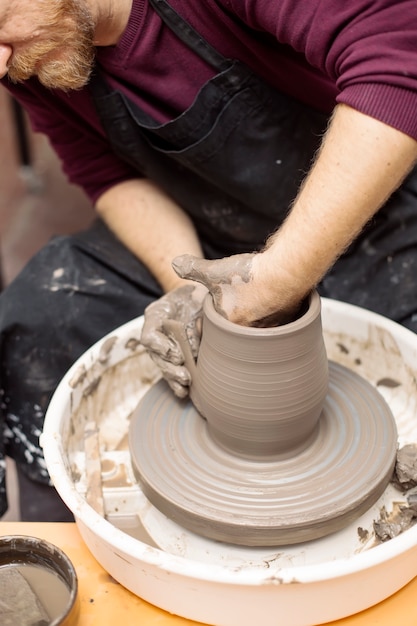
(241, 289)
(184, 305)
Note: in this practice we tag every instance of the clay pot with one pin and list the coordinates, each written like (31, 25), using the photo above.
(261, 390)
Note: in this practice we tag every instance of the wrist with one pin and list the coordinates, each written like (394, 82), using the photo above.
(278, 287)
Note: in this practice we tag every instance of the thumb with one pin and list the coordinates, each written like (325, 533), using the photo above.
(192, 268)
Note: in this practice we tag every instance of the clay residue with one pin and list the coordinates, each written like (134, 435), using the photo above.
(388, 382)
(132, 344)
(342, 347)
(106, 349)
(403, 516)
(392, 524)
(376, 356)
(79, 377)
(19, 603)
(363, 534)
(120, 478)
(94, 493)
(108, 394)
(405, 475)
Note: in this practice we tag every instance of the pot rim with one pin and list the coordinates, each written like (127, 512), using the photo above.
(311, 314)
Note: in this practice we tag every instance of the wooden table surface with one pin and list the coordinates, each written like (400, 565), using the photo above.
(105, 602)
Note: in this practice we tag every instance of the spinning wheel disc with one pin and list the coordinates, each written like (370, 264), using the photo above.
(214, 493)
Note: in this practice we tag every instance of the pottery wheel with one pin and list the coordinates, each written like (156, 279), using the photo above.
(210, 491)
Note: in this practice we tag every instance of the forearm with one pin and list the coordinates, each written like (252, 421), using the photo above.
(360, 164)
(150, 225)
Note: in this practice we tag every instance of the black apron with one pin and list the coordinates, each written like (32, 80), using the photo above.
(234, 161)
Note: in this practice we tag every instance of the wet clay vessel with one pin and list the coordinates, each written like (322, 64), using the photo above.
(276, 446)
(260, 389)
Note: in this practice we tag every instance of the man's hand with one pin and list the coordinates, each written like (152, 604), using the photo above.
(236, 294)
(240, 289)
(183, 304)
(360, 163)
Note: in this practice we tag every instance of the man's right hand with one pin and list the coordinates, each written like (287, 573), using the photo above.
(184, 305)
(240, 289)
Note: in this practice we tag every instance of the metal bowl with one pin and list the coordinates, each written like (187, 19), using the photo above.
(38, 583)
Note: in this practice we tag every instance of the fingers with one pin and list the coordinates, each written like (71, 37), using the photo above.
(217, 272)
(160, 344)
(153, 337)
(164, 344)
(182, 307)
(192, 268)
(177, 377)
(180, 391)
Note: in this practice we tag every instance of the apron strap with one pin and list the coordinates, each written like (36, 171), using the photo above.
(189, 36)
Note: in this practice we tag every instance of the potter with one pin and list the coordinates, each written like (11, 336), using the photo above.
(261, 389)
(260, 131)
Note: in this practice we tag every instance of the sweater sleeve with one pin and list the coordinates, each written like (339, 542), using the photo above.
(367, 47)
(73, 128)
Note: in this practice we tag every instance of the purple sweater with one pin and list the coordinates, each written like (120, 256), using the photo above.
(360, 52)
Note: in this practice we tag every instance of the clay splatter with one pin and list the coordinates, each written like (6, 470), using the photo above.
(388, 382)
(403, 516)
